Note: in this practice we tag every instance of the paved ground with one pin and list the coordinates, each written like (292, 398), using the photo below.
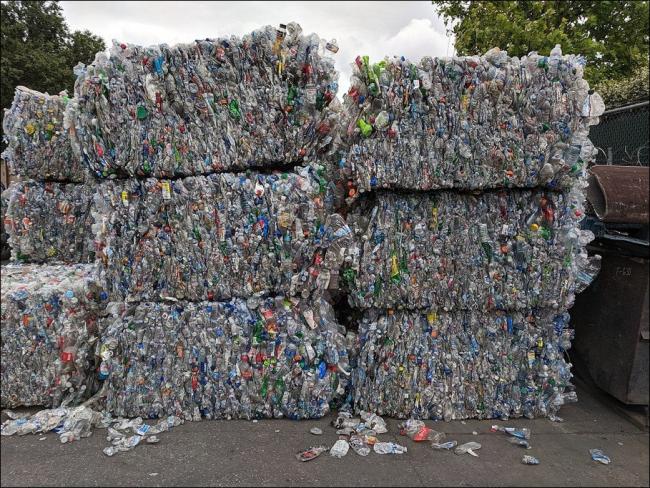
(251, 454)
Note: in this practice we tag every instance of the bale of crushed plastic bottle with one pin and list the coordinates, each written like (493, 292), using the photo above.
(48, 328)
(461, 365)
(219, 236)
(49, 221)
(5, 250)
(214, 105)
(468, 122)
(38, 142)
(259, 358)
(509, 250)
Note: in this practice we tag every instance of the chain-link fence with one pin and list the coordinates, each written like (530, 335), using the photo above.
(622, 135)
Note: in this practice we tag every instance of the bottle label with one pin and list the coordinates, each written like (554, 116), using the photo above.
(166, 190)
(125, 198)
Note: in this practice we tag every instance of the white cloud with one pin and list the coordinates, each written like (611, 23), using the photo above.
(411, 29)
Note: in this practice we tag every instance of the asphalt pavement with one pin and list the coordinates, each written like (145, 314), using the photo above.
(245, 453)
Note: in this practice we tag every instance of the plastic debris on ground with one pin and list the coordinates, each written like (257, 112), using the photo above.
(219, 237)
(311, 453)
(418, 432)
(260, 358)
(529, 460)
(37, 135)
(389, 448)
(445, 446)
(360, 445)
(213, 105)
(70, 423)
(49, 222)
(469, 448)
(519, 442)
(518, 249)
(339, 449)
(49, 328)
(451, 366)
(523, 434)
(75, 423)
(599, 456)
(468, 122)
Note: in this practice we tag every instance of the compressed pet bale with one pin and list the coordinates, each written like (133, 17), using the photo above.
(49, 325)
(38, 143)
(496, 250)
(49, 222)
(217, 237)
(460, 365)
(469, 122)
(274, 357)
(5, 250)
(215, 105)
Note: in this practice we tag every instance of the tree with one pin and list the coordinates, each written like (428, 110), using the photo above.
(612, 35)
(38, 49)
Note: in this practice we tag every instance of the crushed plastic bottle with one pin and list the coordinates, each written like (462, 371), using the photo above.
(599, 456)
(38, 141)
(50, 324)
(389, 448)
(469, 448)
(339, 449)
(529, 460)
(214, 105)
(359, 444)
(49, 222)
(450, 366)
(513, 431)
(519, 442)
(218, 237)
(471, 122)
(520, 249)
(418, 432)
(445, 446)
(311, 453)
(259, 358)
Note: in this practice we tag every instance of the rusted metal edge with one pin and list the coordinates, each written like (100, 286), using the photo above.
(619, 193)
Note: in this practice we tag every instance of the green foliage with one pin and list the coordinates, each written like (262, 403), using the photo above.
(38, 49)
(611, 35)
(629, 90)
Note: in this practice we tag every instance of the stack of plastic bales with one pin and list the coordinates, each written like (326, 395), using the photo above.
(216, 232)
(466, 178)
(48, 215)
(225, 104)
(50, 310)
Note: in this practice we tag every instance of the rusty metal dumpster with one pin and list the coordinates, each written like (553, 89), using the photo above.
(611, 316)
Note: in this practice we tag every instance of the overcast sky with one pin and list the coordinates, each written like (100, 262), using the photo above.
(410, 29)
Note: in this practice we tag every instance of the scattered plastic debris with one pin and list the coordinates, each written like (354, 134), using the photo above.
(513, 431)
(316, 431)
(311, 453)
(599, 456)
(418, 432)
(360, 445)
(340, 448)
(389, 448)
(529, 460)
(469, 448)
(446, 446)
(519, 442)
